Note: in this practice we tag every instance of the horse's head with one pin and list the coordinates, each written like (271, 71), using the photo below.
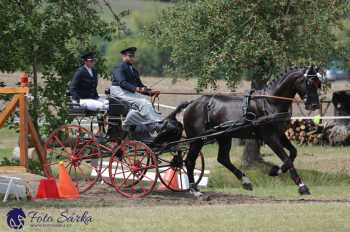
(307, 87)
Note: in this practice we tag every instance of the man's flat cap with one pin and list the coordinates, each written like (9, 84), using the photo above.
(88, 56)
(130, 50)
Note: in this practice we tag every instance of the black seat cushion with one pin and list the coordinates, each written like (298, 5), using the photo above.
(118, 107)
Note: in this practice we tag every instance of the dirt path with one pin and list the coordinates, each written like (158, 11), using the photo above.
(101, 195)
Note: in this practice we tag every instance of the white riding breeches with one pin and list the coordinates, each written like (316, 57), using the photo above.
(94, 104)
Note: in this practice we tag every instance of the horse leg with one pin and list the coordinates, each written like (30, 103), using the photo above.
(276, 170)
(193, 152)
(224, 159)
(275, 143)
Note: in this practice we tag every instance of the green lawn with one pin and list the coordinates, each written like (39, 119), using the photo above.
(324, 169)
(319, 167)
(5, 152)
(244, 217)
(290, 192)
(8, 140)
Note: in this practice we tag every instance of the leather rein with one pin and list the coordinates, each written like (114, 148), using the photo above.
(230, 94)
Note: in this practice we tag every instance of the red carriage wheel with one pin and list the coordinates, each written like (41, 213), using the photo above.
(107, 150)
(172, 169)
(77, 148)
(133, 169)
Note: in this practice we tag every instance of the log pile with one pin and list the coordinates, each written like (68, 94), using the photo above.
(305, 132)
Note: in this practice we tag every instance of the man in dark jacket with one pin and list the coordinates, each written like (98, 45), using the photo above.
(83, 86)
(127, 85)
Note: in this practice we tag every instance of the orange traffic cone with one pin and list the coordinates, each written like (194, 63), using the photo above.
(66, 187)
(47, 189)
(170, 178)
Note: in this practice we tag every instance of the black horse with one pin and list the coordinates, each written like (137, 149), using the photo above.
(210, 111)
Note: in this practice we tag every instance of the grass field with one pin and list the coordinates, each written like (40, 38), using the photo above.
(273, 205)
(245, 217)
(7, 142)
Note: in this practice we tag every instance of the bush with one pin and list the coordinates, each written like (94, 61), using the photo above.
(150, 60)
(33, 165)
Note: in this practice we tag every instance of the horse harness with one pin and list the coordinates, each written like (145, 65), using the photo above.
(249, 118)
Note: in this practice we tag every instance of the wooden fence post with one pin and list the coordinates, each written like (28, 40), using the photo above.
(23, 131)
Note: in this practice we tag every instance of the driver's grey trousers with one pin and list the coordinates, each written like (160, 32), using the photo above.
(145, 113)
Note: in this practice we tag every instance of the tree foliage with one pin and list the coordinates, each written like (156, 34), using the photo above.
(151, 60)
(48, 37)
(229, 39)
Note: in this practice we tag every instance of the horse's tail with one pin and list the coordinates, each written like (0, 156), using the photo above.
(178, 109)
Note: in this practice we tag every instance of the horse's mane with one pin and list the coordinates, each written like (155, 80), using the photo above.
(272, 84)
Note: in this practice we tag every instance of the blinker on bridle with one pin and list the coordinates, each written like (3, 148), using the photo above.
(313, 79)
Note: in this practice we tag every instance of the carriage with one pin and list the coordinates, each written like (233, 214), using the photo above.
(135, 165)
(96, 149)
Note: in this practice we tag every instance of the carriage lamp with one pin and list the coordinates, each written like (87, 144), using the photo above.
(24, 79)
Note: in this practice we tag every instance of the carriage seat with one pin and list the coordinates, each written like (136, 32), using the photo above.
(117, 106)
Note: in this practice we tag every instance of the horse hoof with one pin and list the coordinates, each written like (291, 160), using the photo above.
(274, 171)
(196, 193)
(304, 190)
(246, 183)
(248, 187)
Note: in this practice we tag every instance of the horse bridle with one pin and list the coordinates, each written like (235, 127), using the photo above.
(312, 79)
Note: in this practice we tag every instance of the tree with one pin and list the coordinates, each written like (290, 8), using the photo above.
(47, 37)
(233, 39)
(151, 59)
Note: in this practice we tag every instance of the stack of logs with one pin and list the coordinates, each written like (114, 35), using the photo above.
(305, 132)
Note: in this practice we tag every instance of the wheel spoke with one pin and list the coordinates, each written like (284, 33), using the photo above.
(55, 163)
(61, 144)
(135, 152)
(125, 180)
(115, 170)
(145, 176)
(123, 172)
(177, 161)
(165, 169)
(75, 146)
(183, 169)
(143, 158)
(137, 160)
(174, 174)
(63, 154)
(70, 168)
(77, 140)
(144, 190)
(133, 183)
(181, 186)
